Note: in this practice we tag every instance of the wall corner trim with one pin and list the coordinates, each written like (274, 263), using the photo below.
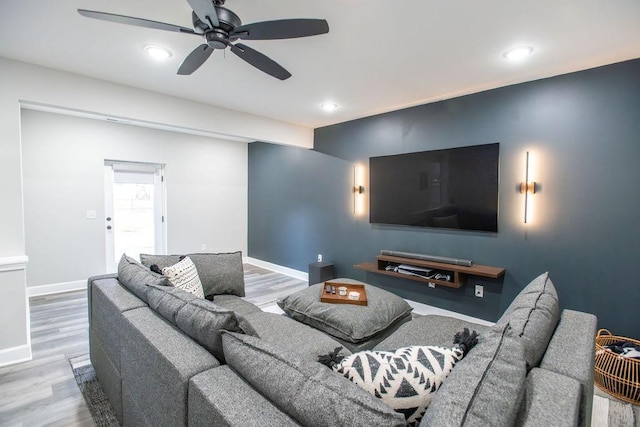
(13, 263)
(13, 355)
(297, 274)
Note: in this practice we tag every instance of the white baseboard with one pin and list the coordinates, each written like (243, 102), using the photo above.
(13, 355)
(426, 310)
(56, 288)
(297, 274)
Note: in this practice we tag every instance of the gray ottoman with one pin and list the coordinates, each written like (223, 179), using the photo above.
(356, 327)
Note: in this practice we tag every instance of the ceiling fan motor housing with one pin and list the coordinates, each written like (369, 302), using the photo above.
(217, 39)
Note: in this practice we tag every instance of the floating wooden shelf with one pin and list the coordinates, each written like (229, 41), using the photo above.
(458, 273)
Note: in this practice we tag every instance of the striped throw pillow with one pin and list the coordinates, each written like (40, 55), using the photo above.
(185, 276)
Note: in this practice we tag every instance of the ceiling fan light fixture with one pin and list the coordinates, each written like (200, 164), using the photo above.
(518, 53)
(157, 52)
(329, 106)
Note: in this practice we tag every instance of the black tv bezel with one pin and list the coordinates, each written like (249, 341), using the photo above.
(427, 227)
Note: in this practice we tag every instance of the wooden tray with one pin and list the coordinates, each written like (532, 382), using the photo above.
(343, 299)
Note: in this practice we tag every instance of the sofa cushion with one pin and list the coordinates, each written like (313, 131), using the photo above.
(161, 261)
(135, 277)
(533, 315)
(549, 396)
(167, 301)
(428, 330)
(288, 335)
(204, 321)
(200, 319)
(307, 391)
(352, 323)
(220, 273)
(486, 387)
(219, 397)
(184, 275)
(405, 379)
(237, 304)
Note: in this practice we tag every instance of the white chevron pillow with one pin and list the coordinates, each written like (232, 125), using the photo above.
(185, 276)
(405, 379)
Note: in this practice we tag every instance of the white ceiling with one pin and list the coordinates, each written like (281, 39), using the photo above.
(378, 56)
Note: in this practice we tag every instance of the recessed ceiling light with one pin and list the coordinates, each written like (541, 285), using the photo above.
(329, 106)
(517, 53)
(157, 52)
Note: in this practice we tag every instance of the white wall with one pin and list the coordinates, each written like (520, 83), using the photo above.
(63, 158)
(22, 83)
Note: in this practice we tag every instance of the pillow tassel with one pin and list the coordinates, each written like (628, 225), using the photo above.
(331, 359)
(465, 340)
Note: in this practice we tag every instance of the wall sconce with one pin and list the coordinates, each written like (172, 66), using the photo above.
(358, 190)
(528, 188)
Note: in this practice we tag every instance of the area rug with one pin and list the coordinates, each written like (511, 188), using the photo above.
(101, 410)
(611, 412)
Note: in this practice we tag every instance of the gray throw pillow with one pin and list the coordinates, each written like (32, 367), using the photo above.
(534, 315)
(136, 277)
(168, 301)
(204, 321)
(486, 387)
(161, 261)
(220, 273)
(352, 323)
(307, 391)
(201, 319)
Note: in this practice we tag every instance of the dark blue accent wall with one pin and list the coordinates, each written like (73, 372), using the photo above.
(583, 132)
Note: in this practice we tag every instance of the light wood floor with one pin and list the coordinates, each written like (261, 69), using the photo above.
(44, 391)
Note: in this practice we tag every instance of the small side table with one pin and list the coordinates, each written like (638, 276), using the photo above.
(320, 272)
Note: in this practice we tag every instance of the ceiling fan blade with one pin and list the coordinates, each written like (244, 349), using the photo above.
(206, 11)
(195, 59)
(260, 61)
(138, 22)
(281, 29)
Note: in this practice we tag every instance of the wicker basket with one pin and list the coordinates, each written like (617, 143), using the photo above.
(617, 375)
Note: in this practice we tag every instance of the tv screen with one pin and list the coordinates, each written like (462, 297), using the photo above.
(454, 188)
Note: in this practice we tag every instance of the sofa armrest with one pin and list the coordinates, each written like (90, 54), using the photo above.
(90, 281)
(157, 361)
(219, 397)
(571, 353)
(550, 399)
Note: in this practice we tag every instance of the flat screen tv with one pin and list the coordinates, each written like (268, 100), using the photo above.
(455, 188)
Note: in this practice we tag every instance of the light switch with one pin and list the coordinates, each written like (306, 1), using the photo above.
(91, 215)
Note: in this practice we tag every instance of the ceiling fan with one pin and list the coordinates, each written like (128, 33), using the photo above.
(220, 27)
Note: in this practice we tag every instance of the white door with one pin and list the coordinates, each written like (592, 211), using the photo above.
(134, 210)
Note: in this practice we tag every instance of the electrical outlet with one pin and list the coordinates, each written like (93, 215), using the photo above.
(319, 257)
(480, 291)
(204, 246)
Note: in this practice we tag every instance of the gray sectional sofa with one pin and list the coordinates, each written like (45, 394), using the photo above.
(162, 361)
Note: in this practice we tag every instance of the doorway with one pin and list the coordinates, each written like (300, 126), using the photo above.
(134, 210)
